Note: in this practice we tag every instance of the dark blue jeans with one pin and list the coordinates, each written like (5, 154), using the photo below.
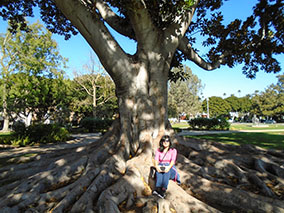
(162, 179)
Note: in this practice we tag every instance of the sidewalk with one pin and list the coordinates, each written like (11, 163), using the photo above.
(77, 141)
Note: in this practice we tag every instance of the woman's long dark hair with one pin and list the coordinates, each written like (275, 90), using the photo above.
(164, 138)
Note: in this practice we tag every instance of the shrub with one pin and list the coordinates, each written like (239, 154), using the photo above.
(19, 127)
(209, 124)
(199, 123)
(95, 124)
(224, 124)
(46, 133)
(37, 133)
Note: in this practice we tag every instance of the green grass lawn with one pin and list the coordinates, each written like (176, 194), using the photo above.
(267, 140)
(3, 134)
(244, 126)
(250, 126)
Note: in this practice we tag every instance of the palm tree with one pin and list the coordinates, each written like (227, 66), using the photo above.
(239, 91)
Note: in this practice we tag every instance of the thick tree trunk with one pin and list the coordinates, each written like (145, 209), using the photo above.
(142, 115)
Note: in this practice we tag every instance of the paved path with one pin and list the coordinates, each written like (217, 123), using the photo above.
(79, 140)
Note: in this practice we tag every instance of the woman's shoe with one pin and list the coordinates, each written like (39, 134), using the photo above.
(157, 191)
(162, 194)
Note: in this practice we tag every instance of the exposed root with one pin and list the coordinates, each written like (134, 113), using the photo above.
(232, 178)
(98, 178)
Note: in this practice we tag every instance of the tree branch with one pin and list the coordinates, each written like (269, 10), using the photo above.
(90, 25)
(113, 20)
(176, 31)
(186, 48)
(146, 33)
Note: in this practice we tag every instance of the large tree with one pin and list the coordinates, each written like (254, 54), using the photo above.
(34, 56)
(113, 173)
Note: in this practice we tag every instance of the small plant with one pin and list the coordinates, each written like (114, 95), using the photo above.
(6, 139)
(20, 141)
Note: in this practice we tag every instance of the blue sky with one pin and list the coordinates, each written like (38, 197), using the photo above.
(216, 83)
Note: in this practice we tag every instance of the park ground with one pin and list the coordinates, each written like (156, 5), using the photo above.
(197, 146)
(274, 134)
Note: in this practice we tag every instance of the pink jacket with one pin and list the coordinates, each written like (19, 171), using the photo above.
(168, 157)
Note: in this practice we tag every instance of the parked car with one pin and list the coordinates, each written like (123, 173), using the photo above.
(174, 120)
(269, 122)
(230, 120)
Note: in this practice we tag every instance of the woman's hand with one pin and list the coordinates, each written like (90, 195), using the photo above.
(168, 168)
(158, 169)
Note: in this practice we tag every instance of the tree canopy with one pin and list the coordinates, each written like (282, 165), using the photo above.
(253, 42)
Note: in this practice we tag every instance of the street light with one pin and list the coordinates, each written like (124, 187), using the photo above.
(207, 101)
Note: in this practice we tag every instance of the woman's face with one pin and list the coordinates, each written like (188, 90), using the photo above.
(166, 143)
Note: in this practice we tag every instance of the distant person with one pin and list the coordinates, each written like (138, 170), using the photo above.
(165, 159)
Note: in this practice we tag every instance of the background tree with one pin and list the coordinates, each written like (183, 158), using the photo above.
(235, 104)
(245, 107)
(116, 168)
(279, 106)
(233, 101)
(256, 103)
(32, 57)
(98, 87)
(183, 95)
(217, 106)
(34, 75)
(270, 102)
(42, 97)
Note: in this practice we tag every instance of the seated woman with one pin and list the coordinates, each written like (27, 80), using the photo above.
(165, 158)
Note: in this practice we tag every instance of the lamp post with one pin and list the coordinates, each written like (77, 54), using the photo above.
(207, 101)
